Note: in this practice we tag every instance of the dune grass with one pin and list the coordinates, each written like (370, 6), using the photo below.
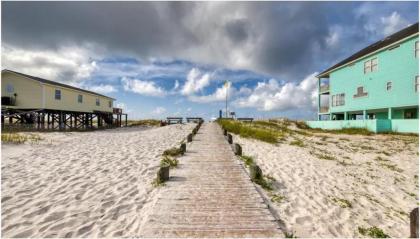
(247, 130)
(16, 138)
(145, 122)
(173, 152)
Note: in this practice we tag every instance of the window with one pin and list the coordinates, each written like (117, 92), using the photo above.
(58, 94)
(9, 88)
(360, 92)
(389, 86)
(416, 84)
(110, 104)
(371, 65)
(80, 98)
(338, 100)
(98, 103)
(416, 49)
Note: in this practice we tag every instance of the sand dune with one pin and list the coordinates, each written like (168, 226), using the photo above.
(91, 184)
(369, 181)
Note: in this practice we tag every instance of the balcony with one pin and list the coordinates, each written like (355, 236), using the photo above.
(324, 88)
(324, 109)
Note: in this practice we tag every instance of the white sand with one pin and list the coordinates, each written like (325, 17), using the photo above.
(379, 194)
(91, 184)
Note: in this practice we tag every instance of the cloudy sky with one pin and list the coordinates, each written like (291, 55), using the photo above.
(172, 58)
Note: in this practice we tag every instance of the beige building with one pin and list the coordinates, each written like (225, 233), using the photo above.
(21, 91)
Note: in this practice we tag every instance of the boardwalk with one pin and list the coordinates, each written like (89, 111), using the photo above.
(210, 195)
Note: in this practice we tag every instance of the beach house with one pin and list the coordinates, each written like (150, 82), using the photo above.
(376, 88)
(32, 100)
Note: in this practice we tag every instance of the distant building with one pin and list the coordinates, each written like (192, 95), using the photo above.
(29, 99)
(376, 88)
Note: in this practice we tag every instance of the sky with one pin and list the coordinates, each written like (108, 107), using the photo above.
(162, 59)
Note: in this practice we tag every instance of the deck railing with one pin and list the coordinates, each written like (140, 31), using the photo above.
(324, 88)
(324, 109)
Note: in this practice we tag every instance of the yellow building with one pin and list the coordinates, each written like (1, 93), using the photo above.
(60, 103)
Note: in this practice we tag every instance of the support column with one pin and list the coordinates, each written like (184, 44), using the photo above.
(330, 116)
(364, 114)
(389, 113)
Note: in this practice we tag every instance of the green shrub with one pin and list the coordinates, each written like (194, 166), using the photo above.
(372, 232)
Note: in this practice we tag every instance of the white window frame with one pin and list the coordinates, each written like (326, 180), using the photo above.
(338, 99)
(371, 65)
(59, 94)
(389, 86)
(416, 49)
(98, 102)
(80, 99)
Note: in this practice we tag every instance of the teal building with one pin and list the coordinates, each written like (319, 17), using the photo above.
(376, 88)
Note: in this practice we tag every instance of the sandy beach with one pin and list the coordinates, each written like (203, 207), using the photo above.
(83, 184)
(366, 181)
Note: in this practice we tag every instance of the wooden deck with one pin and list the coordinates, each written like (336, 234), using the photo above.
(210, 195)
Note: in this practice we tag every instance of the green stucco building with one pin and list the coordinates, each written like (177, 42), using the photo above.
(376, 88)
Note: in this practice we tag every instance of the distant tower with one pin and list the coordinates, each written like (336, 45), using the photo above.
(220, 114)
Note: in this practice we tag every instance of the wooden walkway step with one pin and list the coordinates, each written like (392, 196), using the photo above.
(210, 195)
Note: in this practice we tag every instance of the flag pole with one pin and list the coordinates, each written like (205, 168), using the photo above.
(227, 85)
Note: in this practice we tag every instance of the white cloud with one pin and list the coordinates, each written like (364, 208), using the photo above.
(159, 110)
(176, 86)
(67, 64)
(270, 96)
(148, 88)
(196, 81)
(104, 89)
(393, 23)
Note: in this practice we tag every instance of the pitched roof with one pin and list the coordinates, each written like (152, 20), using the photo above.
(55, 83)
(406, 32)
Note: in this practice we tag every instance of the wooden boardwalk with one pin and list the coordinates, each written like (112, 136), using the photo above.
(210, 195)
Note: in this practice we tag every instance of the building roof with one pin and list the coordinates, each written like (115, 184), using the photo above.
(406, 32)
(55, 83)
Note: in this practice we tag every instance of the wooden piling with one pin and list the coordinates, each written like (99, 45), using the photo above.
(183, 148)
(414, 223)
(256, 172)
(163, 174)
(189, 138)
(237, 149)
(229, 139)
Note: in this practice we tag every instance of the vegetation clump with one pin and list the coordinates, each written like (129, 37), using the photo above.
(16, 138)
(277, 198)
(374, 232)
(248, 160)
(169, 161)
(173, 152)
(250, 131)
(343, 203)
(297, 142)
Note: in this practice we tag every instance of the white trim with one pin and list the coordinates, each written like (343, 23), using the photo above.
(367, 55)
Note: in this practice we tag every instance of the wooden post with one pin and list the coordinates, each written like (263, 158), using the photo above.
(256, 172)
(229, 139)
(414, 223)
(194, 131)
(183, 148)
(189, 138)
(237, 149)
(224, 132)
(163, 174)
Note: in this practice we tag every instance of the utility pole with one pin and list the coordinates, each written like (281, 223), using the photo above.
(226, 86)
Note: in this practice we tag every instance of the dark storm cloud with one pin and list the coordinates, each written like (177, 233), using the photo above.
(287, 39)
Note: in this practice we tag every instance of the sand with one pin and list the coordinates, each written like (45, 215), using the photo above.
(90, 184)
(368, 181)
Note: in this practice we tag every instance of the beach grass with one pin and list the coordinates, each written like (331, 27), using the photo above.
(173, 152)
(145, 122)
(247, 130)
(16, 138)
(169, 161)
